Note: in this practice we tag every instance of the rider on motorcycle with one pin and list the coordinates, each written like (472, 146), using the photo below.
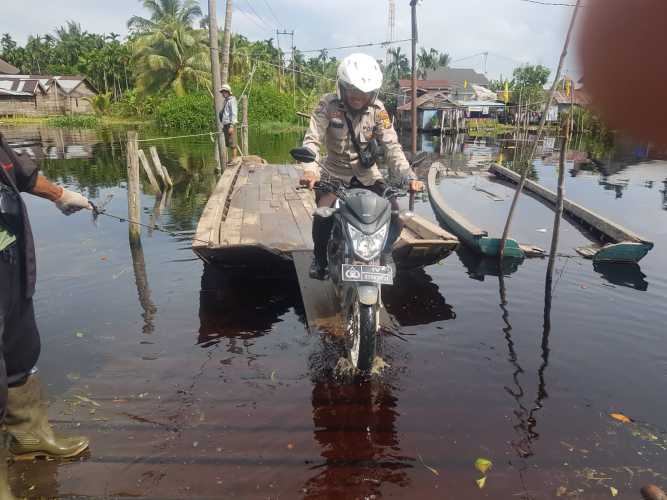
(353, 124)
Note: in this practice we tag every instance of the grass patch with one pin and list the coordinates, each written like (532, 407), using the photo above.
(73, 121)
(277, 128)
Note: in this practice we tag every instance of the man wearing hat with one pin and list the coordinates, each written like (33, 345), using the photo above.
(229, 117)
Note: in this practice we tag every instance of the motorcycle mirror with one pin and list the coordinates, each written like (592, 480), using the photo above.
(303, 155)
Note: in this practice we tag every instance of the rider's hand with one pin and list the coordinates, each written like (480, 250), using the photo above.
(308, 180)
(71, 202)
(416, 186)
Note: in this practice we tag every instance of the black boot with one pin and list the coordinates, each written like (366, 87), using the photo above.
(322, 227)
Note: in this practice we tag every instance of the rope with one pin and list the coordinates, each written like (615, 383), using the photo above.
(210, 134)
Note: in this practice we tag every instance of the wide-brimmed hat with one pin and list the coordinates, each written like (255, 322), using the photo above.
(226, 87)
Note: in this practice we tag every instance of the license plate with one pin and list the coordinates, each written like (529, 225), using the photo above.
(368, 274)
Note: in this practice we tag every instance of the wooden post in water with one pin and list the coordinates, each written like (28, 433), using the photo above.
(149, 172)
(215, 70)
(166, 178)
(244, 125)
(133, 185)
(413, 5)
(532, 150)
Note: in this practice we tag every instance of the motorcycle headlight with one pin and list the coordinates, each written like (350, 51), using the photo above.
(367, 246)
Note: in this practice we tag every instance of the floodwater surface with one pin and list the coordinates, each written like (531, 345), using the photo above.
(196, 384)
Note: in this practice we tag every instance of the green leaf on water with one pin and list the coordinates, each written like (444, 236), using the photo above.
(80, 335)
(483, 465)
(481, 482)
(613, 490)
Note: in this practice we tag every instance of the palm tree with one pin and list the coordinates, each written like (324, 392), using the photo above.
(425, 61)
(399, 67)
(444, 60)
(173, 57)
(165, 12)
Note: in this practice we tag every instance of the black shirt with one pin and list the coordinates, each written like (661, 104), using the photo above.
(20, 173)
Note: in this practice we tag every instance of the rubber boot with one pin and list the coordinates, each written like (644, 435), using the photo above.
(30, 434)
(5, 489)
(322, 227)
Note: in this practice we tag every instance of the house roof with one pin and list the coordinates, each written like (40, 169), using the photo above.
(426, 84)
(67, 83)
(6, 68)
(433, 100)
(579, 97)
(457, 76)
(19, 86)
(481, 104)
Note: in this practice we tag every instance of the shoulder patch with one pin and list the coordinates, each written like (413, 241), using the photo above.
(384, 118)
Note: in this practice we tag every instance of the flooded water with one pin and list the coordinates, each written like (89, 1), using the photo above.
(193, 384)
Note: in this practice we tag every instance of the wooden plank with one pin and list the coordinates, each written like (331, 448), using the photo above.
(425, 229)
(164, 173)
(208, 228)
(302, 219)
(149, 171)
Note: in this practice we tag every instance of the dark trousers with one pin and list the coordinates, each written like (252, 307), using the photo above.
(322, 227)
(19, 337)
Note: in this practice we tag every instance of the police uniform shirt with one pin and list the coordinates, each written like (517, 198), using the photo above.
(328, 126)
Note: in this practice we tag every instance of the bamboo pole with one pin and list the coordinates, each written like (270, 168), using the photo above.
(215, 70)
(526, 168)
(149, 172)
(133, 187)
(413, 5)
(244, 127)
(166, 178)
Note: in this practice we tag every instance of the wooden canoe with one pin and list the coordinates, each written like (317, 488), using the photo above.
(616, 243)
(471, 235)
(256, 219)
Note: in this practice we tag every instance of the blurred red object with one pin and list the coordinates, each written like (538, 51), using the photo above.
(622, 47)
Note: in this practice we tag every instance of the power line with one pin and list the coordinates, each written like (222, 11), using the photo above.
(273, 14)
(363, 45)
(554, 4)
(252, 18)
(258, 16)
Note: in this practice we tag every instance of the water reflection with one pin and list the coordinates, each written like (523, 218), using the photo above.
(622, 274)
(143, 289)
(238, 307)
(479, 266)
(415, 299)
(355, 427)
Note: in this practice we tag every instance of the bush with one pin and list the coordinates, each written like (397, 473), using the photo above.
(73, 121)
(134, 105)
(267, 104)
(193, 112)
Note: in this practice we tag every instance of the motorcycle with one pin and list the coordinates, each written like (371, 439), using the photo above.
(360, 230)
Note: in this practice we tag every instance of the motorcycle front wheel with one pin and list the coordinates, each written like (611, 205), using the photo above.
(362, 329)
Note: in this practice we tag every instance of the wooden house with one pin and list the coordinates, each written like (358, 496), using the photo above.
(7, 69)
(436, 112)
(39, 95)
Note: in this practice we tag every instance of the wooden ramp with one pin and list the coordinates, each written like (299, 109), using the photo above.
(257, 218)
(617, 243)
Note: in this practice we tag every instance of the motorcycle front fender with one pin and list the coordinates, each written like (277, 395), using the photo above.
(369, 295)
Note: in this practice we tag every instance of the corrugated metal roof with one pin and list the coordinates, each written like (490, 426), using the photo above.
(457, 76)
(437, 100)
(425, 84)
(6, 68)
(67, 83)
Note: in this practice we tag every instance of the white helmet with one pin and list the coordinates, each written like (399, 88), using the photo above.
(360, 71)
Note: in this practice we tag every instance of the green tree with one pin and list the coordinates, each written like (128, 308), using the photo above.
(427, 60)
(530, 76)
(164, 13)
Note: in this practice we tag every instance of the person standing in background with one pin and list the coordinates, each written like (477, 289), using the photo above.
(229, 117)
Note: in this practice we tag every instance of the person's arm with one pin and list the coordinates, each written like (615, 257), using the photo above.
(319, 122)
(68, 202)
(394, 156)
(233, 112)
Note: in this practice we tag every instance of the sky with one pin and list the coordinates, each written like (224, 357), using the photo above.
(513, 32)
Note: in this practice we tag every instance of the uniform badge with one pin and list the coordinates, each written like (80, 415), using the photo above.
(384, 117)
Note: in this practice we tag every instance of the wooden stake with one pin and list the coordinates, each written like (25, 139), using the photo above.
(149, 171)
(164, 173)
(215, 70)
(133, 185)
(528, 161)
(413, 5)
(244, 127)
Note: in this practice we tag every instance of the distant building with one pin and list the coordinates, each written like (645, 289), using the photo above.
(40, 95)
(7, 69)
(461, 81)
(423, 87)
(436, 112)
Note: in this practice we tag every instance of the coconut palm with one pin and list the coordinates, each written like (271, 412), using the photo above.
(173, 56)
(165, 12)
(399, 67)
(425, 61)
(444, 60)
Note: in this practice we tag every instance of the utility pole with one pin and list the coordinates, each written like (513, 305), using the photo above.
(226, 42)
(290, 33)
(215, 70)
(413, 5)
(391, 28)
